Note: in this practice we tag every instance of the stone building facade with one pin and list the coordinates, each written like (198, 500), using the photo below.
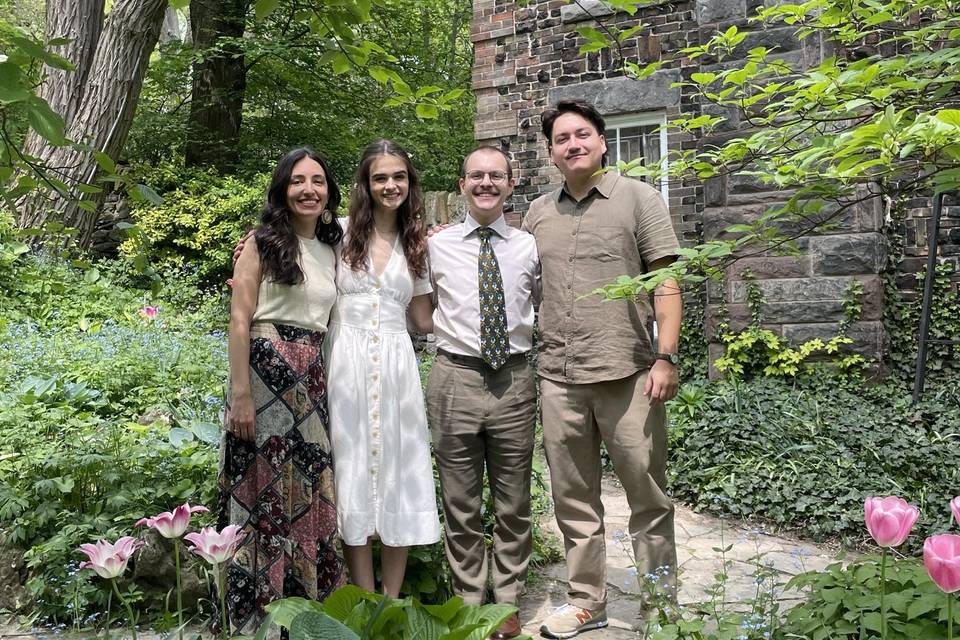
(527, 58)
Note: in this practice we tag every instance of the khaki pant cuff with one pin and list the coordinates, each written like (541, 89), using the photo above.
(590, 605)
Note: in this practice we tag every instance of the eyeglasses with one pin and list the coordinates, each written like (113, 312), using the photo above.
(496, 177)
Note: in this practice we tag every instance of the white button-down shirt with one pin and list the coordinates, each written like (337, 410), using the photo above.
(453, 272)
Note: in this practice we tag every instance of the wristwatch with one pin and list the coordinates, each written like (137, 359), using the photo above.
(672, 358)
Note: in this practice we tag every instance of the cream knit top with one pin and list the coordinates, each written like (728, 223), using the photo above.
(307, 304)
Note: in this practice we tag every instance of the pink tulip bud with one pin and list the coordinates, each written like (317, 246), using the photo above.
(889, 520)
(941, 557)
(955, 507)
(150, 313)
(172, 525)
(216, 548)
(110, 560)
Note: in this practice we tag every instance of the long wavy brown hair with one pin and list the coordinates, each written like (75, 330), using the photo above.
(276, 240)
(409, 216)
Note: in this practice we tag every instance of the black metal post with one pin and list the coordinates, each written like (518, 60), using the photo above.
(932, 242)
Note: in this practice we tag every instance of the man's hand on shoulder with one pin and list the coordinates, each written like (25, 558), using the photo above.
(237, 250)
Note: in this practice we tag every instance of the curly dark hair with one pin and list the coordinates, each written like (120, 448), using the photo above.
(276, 239)
(409, 217)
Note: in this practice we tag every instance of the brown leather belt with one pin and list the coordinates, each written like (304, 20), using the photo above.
(479, 363)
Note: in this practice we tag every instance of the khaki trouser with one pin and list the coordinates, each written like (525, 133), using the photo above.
(576, 417)
(480, 418)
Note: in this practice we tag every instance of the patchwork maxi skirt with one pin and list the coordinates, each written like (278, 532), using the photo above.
(280, 488)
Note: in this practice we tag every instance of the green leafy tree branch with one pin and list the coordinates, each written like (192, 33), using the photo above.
(878, 117)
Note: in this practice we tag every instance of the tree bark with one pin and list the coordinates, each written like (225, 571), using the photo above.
(81, 22)
(104, 114)
(219, 83)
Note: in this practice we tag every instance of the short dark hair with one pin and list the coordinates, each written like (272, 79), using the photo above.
(579, 107)
(486, 147)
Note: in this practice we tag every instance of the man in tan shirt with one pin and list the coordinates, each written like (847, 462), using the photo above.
(600, 377)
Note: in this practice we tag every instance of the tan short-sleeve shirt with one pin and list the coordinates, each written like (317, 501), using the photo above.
(617, 229)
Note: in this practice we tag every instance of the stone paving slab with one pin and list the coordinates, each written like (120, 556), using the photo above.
(697, 537)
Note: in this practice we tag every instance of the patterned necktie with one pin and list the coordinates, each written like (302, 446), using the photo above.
(494, 346)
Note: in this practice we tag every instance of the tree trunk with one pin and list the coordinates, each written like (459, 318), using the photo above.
(104, 115)
(80, 22)
(219, 83)
(170, 29)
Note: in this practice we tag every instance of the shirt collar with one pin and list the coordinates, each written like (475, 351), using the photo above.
(499, 226)
(604, 187)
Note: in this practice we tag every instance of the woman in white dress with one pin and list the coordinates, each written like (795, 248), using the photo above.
(384, 475)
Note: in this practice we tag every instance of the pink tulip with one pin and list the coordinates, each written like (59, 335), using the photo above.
(172, 525)
(955, 507)
(110, 560)
(150, 313)
(941, 557)
(889, 520)
(216, 548)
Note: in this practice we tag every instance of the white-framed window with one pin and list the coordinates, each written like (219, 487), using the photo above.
(639, 135)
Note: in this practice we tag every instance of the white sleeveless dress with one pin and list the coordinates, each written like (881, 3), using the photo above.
(378, 425)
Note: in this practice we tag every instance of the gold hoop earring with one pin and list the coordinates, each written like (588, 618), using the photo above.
(326, 217)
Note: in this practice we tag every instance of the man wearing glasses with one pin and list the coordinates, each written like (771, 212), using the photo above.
(481, 396)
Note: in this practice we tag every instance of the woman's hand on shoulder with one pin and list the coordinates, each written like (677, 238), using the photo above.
(435, 229)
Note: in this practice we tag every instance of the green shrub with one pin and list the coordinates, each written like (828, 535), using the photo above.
(105, 416)
(805, 454)
(759, 351)
(195, 229)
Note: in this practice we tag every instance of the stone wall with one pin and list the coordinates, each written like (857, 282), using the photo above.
(527, 59)
(443, 207)
(915, 236)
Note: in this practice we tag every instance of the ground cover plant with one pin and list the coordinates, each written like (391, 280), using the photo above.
(802, 454)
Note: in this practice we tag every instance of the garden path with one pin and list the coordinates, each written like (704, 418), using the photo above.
(697, 537)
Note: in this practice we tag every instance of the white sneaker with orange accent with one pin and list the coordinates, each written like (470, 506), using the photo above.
(569, 620)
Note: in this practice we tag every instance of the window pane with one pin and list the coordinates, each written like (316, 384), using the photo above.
(636, 142)
(631, 143)
(651, 146)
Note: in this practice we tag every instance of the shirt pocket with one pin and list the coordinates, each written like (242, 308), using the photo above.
(604, 244)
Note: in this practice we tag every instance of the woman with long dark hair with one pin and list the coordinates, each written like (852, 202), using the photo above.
(384, 476)
(276, 470)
